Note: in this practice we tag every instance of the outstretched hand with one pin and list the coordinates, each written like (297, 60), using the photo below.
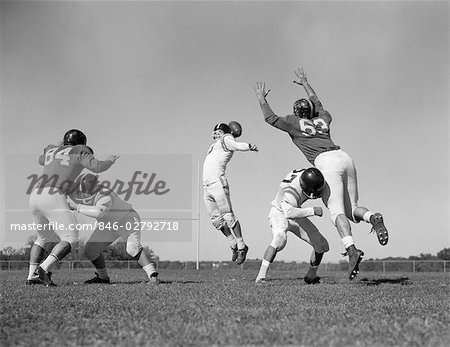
(301, 76)
(112, 158)
(260, 91)
(253, 148)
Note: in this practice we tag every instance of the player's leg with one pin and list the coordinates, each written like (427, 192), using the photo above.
(222, 197)
(54, 207)
(307, 231)
(279, 226)
(95, 245)
(217, 221)
(135, 249)
(360, 213)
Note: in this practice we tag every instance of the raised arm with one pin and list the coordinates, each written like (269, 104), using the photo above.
(269, 116)
(302, 80)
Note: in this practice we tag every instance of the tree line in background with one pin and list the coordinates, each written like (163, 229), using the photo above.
(116, 251)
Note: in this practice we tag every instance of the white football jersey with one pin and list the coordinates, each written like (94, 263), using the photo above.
(289, 191)
(218, 156)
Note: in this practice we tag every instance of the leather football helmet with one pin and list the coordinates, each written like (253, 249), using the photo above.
(304, 108)
(74, 137)
(220, 129)
(312, 183)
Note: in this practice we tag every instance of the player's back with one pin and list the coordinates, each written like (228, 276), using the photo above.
(62, 165)
(216, 160)
(290, 185)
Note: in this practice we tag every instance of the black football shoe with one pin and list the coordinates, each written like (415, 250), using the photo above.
(97, 279)
(33, 281)
(45, 277)
(314, 280)
(242, 254)
(378, 227)
(354, 258)
(234, 254)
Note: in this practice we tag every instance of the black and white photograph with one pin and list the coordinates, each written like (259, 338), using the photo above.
(224, 173)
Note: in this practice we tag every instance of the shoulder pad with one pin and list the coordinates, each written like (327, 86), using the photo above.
(78, 149)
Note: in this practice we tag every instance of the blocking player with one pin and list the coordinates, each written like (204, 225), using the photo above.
(309, 128)
(62, 164)
(216, 189)
(287, 214)
(115, 219)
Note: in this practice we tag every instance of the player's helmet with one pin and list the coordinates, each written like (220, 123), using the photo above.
(304, 108)
(74, 137)
(88, 184)
(312, 183)
(236, 129)
(220, 129)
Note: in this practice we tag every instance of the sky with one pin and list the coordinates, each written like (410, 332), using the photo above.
(145, 78)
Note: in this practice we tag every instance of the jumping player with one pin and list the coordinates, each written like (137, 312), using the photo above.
(216, 189)
(115, 219)
(62, 164)
(287, 214)
(309, 129)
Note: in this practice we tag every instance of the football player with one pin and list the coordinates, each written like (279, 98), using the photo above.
(62, 164)
(287, 214)
(216, 189)
(309, 129)
(115, 219)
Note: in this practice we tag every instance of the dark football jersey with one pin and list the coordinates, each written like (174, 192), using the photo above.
(311, 136)
(62, 165)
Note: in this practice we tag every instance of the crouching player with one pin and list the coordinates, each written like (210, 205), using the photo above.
(116, 219)
(286, 215)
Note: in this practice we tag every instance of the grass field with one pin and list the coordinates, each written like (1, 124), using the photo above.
(225, 307)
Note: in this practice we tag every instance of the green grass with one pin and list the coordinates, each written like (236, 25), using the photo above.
(225, 307)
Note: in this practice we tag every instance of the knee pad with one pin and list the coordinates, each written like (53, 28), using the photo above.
(217, 221)
(230, 219)
(134, 249)
(279, 241)
(323, 248)
(40, 242)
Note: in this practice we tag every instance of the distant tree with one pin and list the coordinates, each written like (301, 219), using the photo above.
(444, 254)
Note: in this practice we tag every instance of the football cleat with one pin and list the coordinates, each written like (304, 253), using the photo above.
(45, 277)
(314, 280)
(234, 254)
(260, 281)
(378, 226)
(97, 279)
(33, 281)
(242, 254)
(354, 258)
(153, 279)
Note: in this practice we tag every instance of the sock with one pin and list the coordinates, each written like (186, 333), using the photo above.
(240, 242)
(49, 262)
(102, 273)
(33, 267)
(367, 216)
(312, 272)
(347, 241)
(149, 269)
(232, 241)
(263, 269)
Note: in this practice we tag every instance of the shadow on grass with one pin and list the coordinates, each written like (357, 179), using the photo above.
(376, 282)
(162, 282)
